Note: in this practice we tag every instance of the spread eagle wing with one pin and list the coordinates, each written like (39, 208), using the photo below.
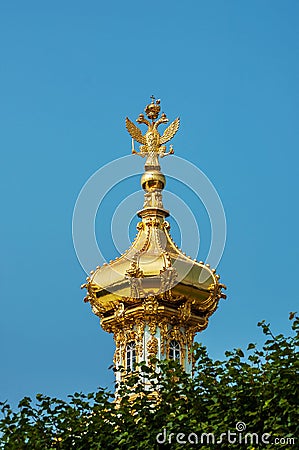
(170, 131)
(135, 132)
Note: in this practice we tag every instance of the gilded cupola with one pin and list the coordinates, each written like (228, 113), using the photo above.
(153, 297)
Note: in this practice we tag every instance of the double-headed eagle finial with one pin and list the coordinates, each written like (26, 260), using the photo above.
(152, 141)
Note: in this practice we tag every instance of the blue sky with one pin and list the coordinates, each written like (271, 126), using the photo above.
(70, 72)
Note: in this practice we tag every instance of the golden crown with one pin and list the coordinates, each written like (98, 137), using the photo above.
(153, 109)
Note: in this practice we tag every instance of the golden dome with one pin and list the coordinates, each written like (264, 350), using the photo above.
(180, 289)
(154, 266)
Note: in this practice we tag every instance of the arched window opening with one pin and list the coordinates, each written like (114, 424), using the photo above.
(174, 350)
(131, 356)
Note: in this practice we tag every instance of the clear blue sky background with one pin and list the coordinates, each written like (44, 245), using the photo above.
(70, 73)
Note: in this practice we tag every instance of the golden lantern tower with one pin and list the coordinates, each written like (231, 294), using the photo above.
(153, 298)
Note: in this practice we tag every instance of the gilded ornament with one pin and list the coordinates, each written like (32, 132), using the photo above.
(152, 142)
(150, 305)
(185, 310)
(134, 270)
(163, 327)
(190, 334)
(134, 275)
(152, 325)
(143, 289)
(119, 311)
(168, 279)
(140, 325)
(152, 347)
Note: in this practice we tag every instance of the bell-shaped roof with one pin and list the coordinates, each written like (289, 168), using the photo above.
(153, 267)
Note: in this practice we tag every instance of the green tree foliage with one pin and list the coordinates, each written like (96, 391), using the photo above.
(256, 388)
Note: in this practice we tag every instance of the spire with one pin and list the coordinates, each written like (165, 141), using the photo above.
(153, 298)
(152, 148)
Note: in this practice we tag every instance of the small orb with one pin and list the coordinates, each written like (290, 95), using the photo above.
(152, 181)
